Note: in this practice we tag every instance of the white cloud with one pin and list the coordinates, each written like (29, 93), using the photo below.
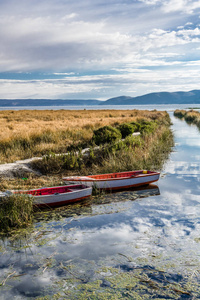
(186, 6)
(83, 37)
(150, 2)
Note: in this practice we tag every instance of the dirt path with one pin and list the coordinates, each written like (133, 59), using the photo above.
(18, 168)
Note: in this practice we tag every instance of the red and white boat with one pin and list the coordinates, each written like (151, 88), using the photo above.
(55, 196)
(114, 181)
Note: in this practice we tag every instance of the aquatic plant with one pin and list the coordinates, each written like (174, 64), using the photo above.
(15, 211)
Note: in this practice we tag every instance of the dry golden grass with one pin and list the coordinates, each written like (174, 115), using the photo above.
(26, 133)
(25, 123)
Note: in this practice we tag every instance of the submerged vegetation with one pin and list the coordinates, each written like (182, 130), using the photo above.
(191, 116)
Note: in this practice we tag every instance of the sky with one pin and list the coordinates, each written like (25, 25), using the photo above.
(98, 49)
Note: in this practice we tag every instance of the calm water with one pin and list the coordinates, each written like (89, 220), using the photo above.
(133, 243)
(170, 107)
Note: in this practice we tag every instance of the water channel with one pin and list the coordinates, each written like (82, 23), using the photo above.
(135, 244)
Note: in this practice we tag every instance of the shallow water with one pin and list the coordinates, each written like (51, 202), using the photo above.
(135, 244)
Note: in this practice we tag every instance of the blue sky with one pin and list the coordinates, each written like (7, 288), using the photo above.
(98, 49)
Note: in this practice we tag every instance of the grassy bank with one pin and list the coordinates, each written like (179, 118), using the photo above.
(191, 116)
(25, 134)
(149, 150)
(117, 152)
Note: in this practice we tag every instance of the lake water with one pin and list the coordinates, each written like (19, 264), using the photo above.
(170, 107)
(135, 244)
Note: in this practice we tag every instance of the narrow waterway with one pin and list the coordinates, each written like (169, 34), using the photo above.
(142, 244)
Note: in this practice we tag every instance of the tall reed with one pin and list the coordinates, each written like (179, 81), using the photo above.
(15, 211)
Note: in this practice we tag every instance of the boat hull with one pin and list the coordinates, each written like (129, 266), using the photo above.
(130, 179)
(54, 198)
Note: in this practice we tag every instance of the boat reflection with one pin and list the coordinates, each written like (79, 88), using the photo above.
(145, 191)
(87, 207)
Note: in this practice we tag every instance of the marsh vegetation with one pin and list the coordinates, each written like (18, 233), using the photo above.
(191, 116)
(16, 211)
(24, 133)
(61, 136)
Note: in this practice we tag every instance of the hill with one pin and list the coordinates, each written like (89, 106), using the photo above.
(46, 102)
(192, 97)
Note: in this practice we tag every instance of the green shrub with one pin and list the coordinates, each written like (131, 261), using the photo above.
(147, 126)
(137, 126)
(127, 129)
(106, 134)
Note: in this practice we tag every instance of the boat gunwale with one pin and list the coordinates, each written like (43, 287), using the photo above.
(91, 178)
(74, 188)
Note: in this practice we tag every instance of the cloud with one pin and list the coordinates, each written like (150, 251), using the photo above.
(168, 6)
(186, 6)
(68, 38)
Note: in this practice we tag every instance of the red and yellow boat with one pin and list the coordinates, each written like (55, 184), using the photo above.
(114, 181)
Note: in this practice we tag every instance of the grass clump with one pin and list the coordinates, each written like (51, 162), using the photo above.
(191, 116)
(127, 129)
(55, 164)
(179, 113)
(106, 134)
(16, 211)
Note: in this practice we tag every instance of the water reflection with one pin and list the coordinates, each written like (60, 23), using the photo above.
(151, 233)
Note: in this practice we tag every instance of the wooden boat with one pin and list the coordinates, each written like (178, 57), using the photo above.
(55, 196)
(114, 181)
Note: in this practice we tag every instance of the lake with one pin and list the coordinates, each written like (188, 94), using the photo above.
(169, 107)
(134, 244)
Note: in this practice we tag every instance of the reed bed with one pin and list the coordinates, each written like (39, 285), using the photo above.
(24, 134)
(191, 116)
(15, 211)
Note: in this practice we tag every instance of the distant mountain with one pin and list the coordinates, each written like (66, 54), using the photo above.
(46, 102)
(117, 100)
(192, 97)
